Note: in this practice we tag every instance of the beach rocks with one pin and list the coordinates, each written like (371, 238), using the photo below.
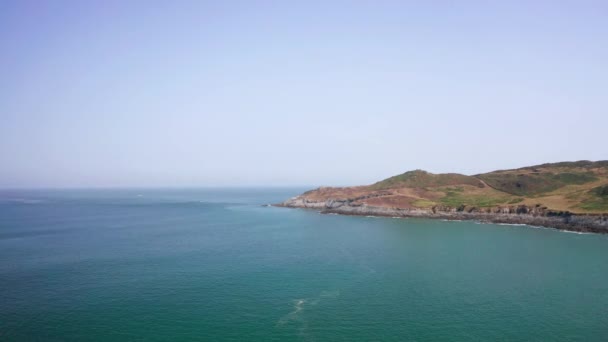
(520, 214)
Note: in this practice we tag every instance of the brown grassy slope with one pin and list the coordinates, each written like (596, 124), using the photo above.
(580, 187)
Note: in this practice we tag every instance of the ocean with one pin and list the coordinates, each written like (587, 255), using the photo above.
(217, 265)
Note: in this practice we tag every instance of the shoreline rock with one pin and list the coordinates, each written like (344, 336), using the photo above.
(517, 214)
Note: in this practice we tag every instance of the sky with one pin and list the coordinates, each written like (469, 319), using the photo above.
(285, 93)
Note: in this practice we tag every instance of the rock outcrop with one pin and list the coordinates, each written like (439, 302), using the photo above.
(514, 214)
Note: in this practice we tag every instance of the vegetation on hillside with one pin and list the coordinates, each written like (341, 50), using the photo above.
(423, 179)
(597, 199)
(534, 183)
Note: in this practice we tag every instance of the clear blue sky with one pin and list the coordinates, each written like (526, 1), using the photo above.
(195, 93)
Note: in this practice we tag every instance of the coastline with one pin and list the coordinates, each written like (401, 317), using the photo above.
(514, 215)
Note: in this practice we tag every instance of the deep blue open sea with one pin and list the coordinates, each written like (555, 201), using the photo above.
(216, 265)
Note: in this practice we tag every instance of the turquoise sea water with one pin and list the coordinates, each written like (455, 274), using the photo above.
(215, 265)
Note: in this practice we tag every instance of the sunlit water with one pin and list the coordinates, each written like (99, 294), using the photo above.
(216, 265)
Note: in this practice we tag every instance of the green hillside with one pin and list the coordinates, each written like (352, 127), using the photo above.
(423, 179)
(535, 182)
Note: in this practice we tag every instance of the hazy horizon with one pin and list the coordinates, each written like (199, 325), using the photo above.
(225, 186)
(204, 94)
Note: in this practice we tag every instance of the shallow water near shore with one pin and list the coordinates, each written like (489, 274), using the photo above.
(217, 265)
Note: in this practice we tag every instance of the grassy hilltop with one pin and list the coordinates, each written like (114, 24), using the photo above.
(578, 187)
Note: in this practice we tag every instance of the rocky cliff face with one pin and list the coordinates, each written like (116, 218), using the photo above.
(513, 214)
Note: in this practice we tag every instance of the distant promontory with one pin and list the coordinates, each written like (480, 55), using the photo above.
(568, 195)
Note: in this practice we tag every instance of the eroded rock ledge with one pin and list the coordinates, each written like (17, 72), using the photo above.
(517, 214)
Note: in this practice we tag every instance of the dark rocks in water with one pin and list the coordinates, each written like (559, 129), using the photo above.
(521, 214)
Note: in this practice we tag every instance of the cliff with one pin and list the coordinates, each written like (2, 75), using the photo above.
(570, 196)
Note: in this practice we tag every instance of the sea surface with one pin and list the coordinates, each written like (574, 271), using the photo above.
(217, 265)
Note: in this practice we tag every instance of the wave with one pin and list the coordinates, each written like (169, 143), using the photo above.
(299, 304)
(23, 200)
(579, 233)
(545, 228)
